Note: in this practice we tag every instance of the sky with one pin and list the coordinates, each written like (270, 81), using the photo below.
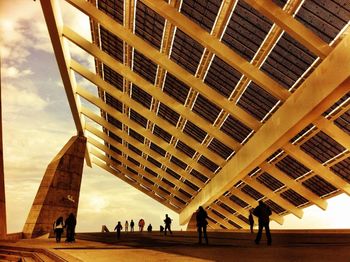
(37, 122)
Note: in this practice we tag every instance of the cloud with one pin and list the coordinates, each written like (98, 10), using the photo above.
(18, 99)
(13, 72)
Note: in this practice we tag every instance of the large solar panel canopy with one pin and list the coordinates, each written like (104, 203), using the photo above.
(218, 103)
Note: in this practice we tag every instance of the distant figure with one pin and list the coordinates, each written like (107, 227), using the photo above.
(104, 229)
(202, 223)
(70, 222)
(251, 221)
(167, 222)
(263, 212)
(118, 228)
(141, 224)
(161, 228)
(132, 224)
(149, 228)
(126, 226)
(58, 229)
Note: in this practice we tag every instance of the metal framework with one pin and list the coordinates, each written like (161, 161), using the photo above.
(219, 103)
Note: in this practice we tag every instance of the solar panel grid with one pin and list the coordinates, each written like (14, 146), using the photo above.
(149, 25)
(138, 118)
(294, 198)
(201, 12)
(185, 148)
(220, 148)
(208, 163)
(286, 63)
(269, 181)
(222, 77)
(168, 114)
(246, 30)
(324, 20)
(292, 167)
(235, 128)
(275, 207)
(322, 147)
(186, 52)
(319, 186)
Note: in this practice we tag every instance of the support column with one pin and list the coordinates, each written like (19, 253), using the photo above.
(3, 227)
(58, 194)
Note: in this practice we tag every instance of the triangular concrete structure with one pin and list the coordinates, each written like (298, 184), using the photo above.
(58, 194)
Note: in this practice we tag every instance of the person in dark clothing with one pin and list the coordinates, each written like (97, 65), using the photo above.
(263, 212)
(58, 229)
(149, 228)
(167, 222)
(70, 222)
(118, 228)
(132, 224)
(201, 218)
(251, 221)
(161, 228)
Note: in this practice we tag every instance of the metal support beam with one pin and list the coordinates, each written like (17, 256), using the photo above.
(53, 18)
(307, 104)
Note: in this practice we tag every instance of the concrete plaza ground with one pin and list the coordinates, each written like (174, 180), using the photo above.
(182, 246)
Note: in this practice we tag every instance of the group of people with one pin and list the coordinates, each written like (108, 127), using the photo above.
(69, 224)
(262, 211)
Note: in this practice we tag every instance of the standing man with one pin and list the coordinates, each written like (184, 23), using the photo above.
(70, 222)
(167, 222)
(202, 223)
(118, 228)
(263, 212)
(132, 224)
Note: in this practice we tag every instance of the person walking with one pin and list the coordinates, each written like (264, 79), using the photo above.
(132, 224)
(58, 229)
(201, 218)
(70, 222)
(126, 226)
(263, 212)
(251, 221)
(118, 228)
(141, 224)
(167, 222)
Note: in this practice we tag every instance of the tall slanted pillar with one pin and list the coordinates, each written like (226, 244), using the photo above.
(3, 228)
(58, 194)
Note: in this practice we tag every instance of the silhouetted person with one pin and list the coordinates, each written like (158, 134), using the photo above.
(251, 221)
(118, 228)
(149, 228)
(132, 224)
(167, 222)
(58, 228)
(70, 222)
(263, 212)
(141, 224)
(126, 226)
(161, 228)
(201, 218)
